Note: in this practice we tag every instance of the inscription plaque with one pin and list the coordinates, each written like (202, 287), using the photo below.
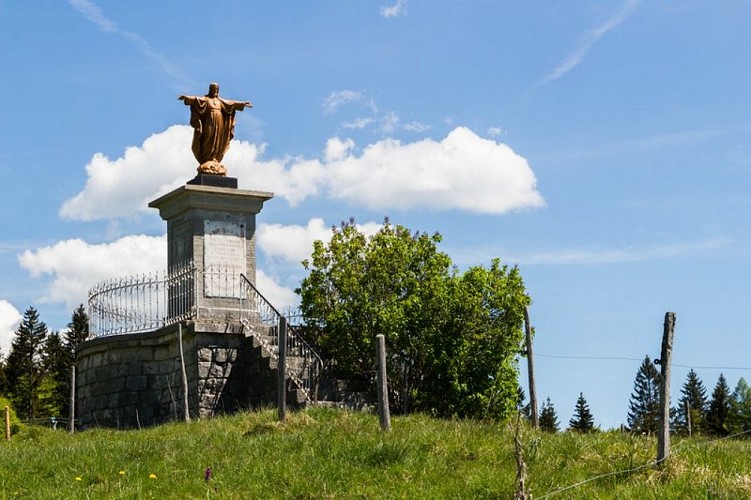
(223, 258)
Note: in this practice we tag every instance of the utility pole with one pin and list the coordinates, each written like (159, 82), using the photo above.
(663, 433)
(531, 372)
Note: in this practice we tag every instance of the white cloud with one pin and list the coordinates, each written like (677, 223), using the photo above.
(591, 38)
(93, 13)
(279, 296)
(622, 255)
(389, 123)
(10, 318)
(462, 171)
(75, 266)
(121, 187)
(339, 98)
(495, 131)
(294, 243)
(416, 127)
(357, 123)
(338, 149)
(396, 10)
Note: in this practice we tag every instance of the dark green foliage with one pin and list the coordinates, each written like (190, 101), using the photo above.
(718, 411)
(451, 339)
(3, 378)
(740, 401)
(78, 331)
(521, 405)
(24, 368)
(693, 397)
(56, 363)
(644, 405)
(548, 417)
(582, 421)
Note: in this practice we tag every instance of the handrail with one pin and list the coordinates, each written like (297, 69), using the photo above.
(306, 376)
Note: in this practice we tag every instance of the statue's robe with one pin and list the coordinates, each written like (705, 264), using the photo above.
(213, 122)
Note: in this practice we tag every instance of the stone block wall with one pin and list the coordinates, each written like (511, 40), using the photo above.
(135, 380)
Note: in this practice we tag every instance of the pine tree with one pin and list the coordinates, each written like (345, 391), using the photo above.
(521, 405)
(582, 420)
(693, 397)
(78, 331)
(719, 408)
(644, 406)
(548, 417)
(24, 370)
(56, 362)
(740, 402)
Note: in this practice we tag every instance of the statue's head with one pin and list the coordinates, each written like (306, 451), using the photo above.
(213, 89)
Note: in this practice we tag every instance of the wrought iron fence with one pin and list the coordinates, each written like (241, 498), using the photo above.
(262, 319)
(142, 303)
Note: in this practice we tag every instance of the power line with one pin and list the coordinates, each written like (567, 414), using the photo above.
(624, 358)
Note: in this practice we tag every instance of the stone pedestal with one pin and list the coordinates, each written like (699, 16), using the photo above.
(214, 227)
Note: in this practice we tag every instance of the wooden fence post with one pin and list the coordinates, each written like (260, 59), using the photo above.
(531, 372)
(382, 384)
(72, 409)
(183, 373)
(7, 423)
(663, 433)
(281, 391)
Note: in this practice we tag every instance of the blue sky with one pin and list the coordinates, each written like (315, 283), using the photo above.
(601, 146)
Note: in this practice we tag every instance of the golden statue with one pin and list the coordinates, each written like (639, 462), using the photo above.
(213, 122)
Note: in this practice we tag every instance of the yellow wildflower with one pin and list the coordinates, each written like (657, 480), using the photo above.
(152, 476)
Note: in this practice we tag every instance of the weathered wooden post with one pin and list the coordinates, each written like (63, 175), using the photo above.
(183, 373)
(281, 396)
(7, 423)
(663, 433)
(382, 384)
(531, 372)
(72, 402)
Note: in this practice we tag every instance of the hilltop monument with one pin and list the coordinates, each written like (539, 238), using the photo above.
(213, 122)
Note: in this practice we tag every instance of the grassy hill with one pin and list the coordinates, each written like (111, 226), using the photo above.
(324, 453)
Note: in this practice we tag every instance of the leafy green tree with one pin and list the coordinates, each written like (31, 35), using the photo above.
(740, 401)
(582, 421)
(548, 417)
(644, 406)
(451, 339)
(24, 368)
(692, 405)
(718, 411)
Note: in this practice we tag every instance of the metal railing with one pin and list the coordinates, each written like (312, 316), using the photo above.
(142, 303)
(147, 302)
(262, 319)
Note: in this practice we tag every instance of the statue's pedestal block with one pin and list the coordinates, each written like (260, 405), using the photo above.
(214, 228)
(214, 180)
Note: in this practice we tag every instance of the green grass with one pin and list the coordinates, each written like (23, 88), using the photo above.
(323, 453)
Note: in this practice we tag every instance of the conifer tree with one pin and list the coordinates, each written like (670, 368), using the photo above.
(693, 397)
(521, 405)
(24, 370)
(56, 362)
(644, 406)
(740, 402)
(582, 420)
(78, 331)
(719, 408)
(548, 417)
